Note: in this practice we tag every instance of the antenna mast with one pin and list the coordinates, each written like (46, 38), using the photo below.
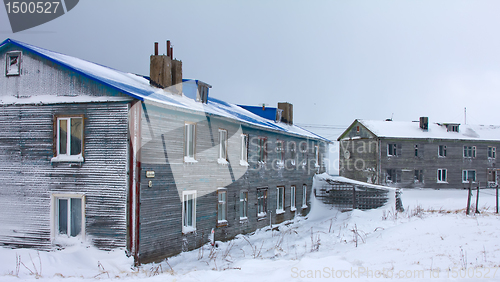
(465, 115)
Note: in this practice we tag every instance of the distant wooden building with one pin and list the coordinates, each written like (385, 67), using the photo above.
(150, 164)
(420, 154)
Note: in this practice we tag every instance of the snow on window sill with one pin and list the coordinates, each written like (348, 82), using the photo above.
(261, 214)
(244, 163)
(293, 209)
(243, 219)
(188, 229)
(317, 166)
(280, 211)
(304, 207)
(222, 161)
(66, 241)
(67, 158)
(221, 223)
(445, 182)
(190, 160)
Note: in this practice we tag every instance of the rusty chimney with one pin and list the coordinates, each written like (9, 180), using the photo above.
(172, 53)
(168, 49)
(424, 123)
(156, 48)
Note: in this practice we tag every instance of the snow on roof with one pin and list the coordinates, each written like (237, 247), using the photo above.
(408, 129)
(342, 179)
(139, 88)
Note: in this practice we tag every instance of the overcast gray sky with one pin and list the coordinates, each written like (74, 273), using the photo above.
(334, 60)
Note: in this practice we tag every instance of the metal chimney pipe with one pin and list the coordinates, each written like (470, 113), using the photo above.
(172, 53)
(168, 48)
(156, 48)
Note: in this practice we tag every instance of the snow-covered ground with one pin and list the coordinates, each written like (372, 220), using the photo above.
(433, 239)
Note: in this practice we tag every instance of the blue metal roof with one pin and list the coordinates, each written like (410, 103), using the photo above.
(139, 88)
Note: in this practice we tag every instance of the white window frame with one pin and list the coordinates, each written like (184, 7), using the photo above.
(280, 153)
(67, 157)
(16, 70)
(304, 196)
(262, 207)
(465, 175)
(222, 146)
(293, 152)
(492, 152)
(188, 196)
(469, 152)
(392, 150)
(243, 204)
(54, 203)
(221, 207)
(442, 151)
(292, 198)
(442, 175)
(244, 150)
(190, 135)
(280, 199)
(316, 156)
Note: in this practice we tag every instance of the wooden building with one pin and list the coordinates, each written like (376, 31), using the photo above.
(420, 154)
(150, 164)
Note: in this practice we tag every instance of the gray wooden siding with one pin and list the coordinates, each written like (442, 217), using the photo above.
(405, 162)
(161, 209)
(28, 178)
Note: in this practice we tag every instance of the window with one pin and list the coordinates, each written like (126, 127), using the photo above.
(222, 146)
(316, 156)
(492, 152)
(280, 151)
(492, 177)
(468, 174)
(243, 205)
(392, 150)
(393, 176)
(262, 149)
(189, 142)
(244, 150)
(418, 176)
(304, 196)
(469, 151)
(442, 151)
(292, 147)
(222, 207)
(69, 215)
(303, 150)
(452, 127)
(416, 150)
(69, 139)
(280, 200)
(13, 63)
(188, 211)
(261, 202)
(442, 175)
(292, 198)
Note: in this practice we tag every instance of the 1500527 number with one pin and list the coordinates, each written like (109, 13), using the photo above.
(32, 7)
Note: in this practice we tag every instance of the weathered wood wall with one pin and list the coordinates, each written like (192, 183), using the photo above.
(28, 178)
(162, 152)
(28, 103)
